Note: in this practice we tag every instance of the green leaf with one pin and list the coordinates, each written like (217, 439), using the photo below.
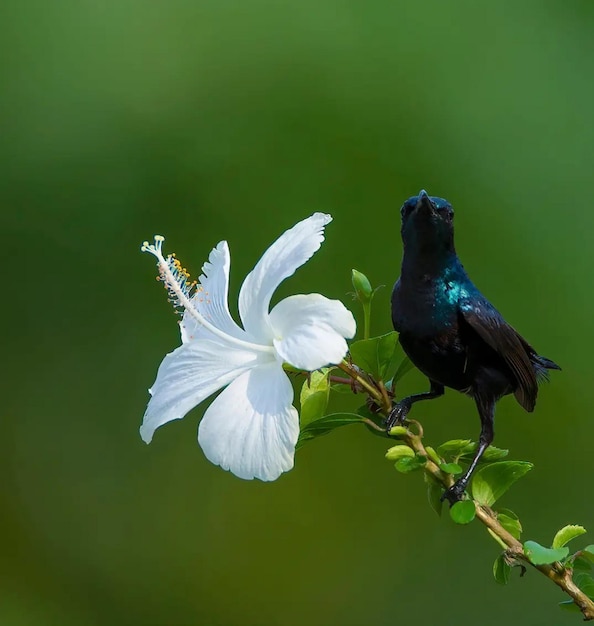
(570, 605)
(581, 564)
(404, 368)
(327, 424)
(585, 582)
(566, 534)
(511, 524)
(588, 552)
(509, 513)
(378, 356)
(501, 570)
(399, 452)
(408, 464)
(493, 480)
(453, 447)
(345, 390)
(434, 492)
(314, 397)
(398, 431)
(450, 468)
(492, 453)
(539, 555)
(463, 512)
(433, 455)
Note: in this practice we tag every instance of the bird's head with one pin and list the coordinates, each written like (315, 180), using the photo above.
(428, 224)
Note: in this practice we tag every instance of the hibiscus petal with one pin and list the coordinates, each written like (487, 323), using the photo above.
(211, 299)
(251, 428)
(190, 374)
(310, 329)
(291, 250)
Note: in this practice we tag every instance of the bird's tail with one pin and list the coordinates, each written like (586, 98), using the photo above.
(542, 365)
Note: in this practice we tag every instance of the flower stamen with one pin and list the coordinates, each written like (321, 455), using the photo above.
(177, 282)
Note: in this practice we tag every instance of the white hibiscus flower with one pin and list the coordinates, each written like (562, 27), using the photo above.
(251, 428)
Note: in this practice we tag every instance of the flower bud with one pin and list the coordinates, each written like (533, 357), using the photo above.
(362, 286)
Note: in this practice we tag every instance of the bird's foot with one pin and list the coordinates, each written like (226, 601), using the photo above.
(455, 493)
(398, 414)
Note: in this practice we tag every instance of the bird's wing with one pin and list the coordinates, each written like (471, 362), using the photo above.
(482, 316)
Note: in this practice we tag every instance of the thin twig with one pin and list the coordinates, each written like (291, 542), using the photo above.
(354, 373)
(557, 572)
(339, 380)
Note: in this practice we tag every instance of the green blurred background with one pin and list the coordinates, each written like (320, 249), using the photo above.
(231, 119)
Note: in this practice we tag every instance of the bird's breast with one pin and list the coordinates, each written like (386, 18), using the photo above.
(426, 307)
(425, 313)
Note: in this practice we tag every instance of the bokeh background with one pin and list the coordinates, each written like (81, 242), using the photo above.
(233, 119)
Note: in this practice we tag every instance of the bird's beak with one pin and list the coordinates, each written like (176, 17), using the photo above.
(424, 204)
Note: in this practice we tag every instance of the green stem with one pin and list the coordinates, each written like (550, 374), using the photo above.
(366, 319)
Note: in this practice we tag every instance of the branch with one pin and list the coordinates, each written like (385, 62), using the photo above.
(560, 574)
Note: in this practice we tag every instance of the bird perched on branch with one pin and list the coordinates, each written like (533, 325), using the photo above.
(451, 332)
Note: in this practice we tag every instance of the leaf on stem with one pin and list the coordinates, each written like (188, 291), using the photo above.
(501, 570)
(580, 563)
(408, 464)
(327, 424)
(493, 480)
(378, 356)
(404, 368)
(539, 555)
(450, 468)
(492, 453)
(434, 492)
(566, 534)
(398, 431)
(453, 447)
(399, 452)
(509, 520)
(586, 583)
(314, 397)
(463, 512)
(570, 605)
(588, 552)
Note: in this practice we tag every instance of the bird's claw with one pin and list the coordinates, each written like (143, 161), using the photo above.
(455, 493)
(397, 415)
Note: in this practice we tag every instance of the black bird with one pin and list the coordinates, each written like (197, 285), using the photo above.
(451, 332)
